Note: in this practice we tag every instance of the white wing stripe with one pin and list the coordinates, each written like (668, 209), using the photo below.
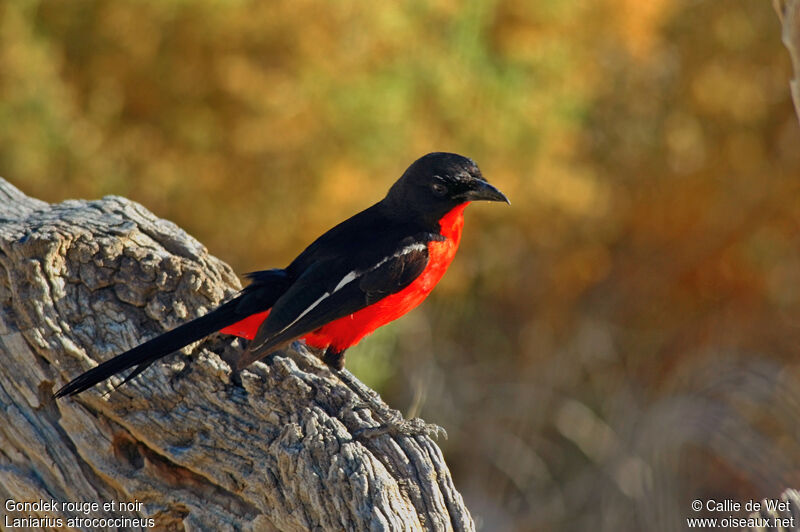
(345, 280)
(405, 251)
(306, 311)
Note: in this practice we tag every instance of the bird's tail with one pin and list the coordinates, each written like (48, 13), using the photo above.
(266, 287)
(145, 354)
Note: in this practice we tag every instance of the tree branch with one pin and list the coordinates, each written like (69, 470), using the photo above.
(789, 13)
(196, 444)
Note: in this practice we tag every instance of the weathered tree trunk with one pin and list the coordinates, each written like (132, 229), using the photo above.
(789, 13)
(199, 446)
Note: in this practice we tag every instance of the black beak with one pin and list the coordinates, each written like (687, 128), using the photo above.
(480, 190)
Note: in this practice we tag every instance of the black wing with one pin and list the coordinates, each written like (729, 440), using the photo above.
(327, 292)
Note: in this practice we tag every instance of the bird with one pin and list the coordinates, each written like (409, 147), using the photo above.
(360, 275)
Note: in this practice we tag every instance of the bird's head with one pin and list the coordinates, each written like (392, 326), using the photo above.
(436, 183)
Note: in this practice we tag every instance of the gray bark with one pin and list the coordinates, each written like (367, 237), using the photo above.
(199, 446)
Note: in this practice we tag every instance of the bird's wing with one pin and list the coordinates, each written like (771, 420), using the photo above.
(327, 292)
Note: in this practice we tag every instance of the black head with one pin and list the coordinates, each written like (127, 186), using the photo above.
(436, 183)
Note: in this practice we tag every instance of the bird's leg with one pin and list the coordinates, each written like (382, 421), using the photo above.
(392, 421)
(334, 358)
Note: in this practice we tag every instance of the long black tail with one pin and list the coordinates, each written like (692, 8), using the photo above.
(260, 295)
(145, 354)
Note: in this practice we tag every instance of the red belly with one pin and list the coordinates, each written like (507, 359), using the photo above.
(349, 330)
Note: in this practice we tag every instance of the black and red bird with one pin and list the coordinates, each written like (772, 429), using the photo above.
(365, 272)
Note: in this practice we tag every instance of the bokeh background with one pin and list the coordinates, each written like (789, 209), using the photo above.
(620, 341)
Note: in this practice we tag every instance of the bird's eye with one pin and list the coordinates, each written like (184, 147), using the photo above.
(439, 189)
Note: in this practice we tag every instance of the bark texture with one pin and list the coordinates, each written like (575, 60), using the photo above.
(197, 445)
(789, 13)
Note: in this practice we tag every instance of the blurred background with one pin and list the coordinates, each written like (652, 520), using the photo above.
(620, 341)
